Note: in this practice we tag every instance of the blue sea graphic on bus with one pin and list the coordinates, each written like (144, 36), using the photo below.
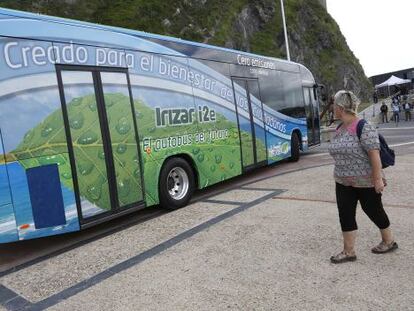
(23, 210)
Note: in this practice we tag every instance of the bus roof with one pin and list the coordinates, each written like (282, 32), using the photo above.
(72, 22)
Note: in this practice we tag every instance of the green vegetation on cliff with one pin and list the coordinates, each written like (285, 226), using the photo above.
(251, 25)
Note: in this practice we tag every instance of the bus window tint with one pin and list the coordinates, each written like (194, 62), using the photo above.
(293, 104)
(122, 132)
(271, 90)
(283, 92)
(257, 112)
(86, 134)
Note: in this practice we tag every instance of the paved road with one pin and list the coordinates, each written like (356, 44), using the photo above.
(27, 252)
(402, 134)
(260, 241)
(261, 246)
(23, 253)
(400, 138)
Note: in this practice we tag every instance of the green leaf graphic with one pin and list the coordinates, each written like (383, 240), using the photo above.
(216, 160)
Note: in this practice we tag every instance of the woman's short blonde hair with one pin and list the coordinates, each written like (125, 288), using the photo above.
(347, 100)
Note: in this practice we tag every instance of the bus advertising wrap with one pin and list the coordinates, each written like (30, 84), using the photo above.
(176, 105)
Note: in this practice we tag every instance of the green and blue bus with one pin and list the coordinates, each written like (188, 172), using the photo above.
(97, 121)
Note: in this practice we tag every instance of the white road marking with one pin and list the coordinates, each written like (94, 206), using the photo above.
(326, 153)
(403, 144)
(317, 155)
(395, 128)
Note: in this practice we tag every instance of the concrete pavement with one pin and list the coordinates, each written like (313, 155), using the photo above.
(264, 246)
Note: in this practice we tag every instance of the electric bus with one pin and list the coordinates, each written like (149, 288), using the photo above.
(97, 122)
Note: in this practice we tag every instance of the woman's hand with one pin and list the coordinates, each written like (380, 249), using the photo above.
(379, 185)
(375, 160)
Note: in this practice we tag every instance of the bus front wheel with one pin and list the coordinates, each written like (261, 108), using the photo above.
(176, 183)
(294, 148)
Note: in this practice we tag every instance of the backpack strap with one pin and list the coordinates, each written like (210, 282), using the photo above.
(360, 126)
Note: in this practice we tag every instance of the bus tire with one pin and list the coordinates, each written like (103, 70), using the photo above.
(176, 183)
(294, 148)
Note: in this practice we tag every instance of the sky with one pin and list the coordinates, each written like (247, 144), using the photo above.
(379, 32)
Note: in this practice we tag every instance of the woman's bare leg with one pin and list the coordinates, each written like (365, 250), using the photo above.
(387, 236)
(349, 242)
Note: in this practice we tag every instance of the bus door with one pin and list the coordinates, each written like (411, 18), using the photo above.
(251, 122)
(312, 116)
(102, 140)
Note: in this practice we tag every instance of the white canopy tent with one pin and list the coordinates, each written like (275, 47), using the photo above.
(393, 80)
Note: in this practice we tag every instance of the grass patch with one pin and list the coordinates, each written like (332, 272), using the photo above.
(363, 106)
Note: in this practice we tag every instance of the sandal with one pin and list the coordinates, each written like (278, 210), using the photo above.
(383, 248)
(342, 257)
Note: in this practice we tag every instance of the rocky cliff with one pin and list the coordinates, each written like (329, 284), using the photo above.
(251, 25)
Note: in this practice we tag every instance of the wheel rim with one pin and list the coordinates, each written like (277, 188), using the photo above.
(177, 183)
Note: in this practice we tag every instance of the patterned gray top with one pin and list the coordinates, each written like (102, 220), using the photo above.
(352, 165)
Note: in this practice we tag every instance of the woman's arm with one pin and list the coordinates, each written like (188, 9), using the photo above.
(374, 158)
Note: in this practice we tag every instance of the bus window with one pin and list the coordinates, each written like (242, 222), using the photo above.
(293, 103)
(103, 140)
(87, 142)
(257, 111)
(307, 96)
(245, 123)
(122, 136)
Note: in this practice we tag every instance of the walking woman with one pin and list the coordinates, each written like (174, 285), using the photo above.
(358, 176)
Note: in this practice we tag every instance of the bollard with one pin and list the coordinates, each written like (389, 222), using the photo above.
(373, 110)
(363, 115)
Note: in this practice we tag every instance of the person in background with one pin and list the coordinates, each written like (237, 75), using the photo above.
(396, 111)
(384, 112)
(358, 177)
(375, 97)
(407, 110)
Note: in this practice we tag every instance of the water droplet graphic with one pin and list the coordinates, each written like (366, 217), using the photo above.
(124, 188)
(92, 107)
(47, 130)
(94, 192)
(123, 126)
(218, 158)
(85, 168)
(121, 148)
(200, 157)
(76, 122)
(101, 155)
(67, 175)
(88, 138)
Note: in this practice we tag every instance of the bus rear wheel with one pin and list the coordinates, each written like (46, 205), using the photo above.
(176, 183)
(294, 148)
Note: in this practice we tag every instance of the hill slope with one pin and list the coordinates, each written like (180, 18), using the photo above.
(250, 25)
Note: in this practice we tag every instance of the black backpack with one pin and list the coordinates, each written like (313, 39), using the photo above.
(387, 155)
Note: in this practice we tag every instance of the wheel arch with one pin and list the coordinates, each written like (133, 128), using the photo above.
(189, 160)
(299, 133)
